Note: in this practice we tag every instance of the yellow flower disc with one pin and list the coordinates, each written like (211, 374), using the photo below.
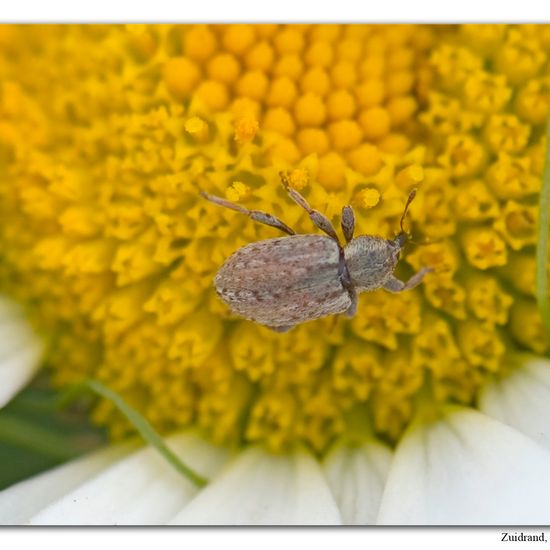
(109, 133)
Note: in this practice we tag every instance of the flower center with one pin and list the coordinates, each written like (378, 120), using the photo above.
(106, 142)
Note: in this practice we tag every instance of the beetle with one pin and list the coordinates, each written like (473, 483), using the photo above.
(285, 281)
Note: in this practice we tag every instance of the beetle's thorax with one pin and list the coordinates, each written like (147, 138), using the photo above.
(370, 261)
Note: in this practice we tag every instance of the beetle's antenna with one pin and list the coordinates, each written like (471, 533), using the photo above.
(425, 242)
(412, 194)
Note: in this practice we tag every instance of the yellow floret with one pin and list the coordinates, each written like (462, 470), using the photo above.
(260, 57)
(518, 224)
(282, 92)
(332, 171)
(289, 41)
(375, 122)
(238, 38)
(486, 92)
(533, 101)
(526, 326)
(246, 107)
(487, 299)
(349, 50)
(279, 120)
(505, 133)
(446, 295)
(481, 344)
(343, 74)
(252, 84)
(395, 144)
(265, 30)
(289, 65)
(399, 83)
(484, 248)
(400, 58)
(326, 32)
(309, 110)
(401, 110)
(367, 198)
(520, 57)
(365, 159)
(224, 68)
(312, 140)
(372, 66)
(340, 104)
(285, 150)
(345, 134)
(299, 178)
(181, 75)
(319, 54)
(213, 94)
(463, 155)
(200, 43)
(510, 177)
(246, 128)
(410, 177)
(315, 81)
(370, 93)
(195, 125)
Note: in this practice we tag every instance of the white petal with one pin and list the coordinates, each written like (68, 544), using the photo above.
(357, 476)
(522, 400)
(259, 488)
(141, 489)
(20, 350)
(23, 500)
(467, 469)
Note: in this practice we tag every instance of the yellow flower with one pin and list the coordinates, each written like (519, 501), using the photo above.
(107, 141)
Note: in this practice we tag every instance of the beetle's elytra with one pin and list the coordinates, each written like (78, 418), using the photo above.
(285, 281)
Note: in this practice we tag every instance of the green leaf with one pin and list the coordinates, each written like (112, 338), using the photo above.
(17, 464)
(17, 431)
(35, 436)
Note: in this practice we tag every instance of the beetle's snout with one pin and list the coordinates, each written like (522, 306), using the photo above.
(401, 239)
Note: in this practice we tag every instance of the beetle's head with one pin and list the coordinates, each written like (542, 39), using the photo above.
(397, 245)
(401, 240)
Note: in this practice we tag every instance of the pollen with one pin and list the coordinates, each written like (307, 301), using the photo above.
(196, 126)
(299, 178)
(246, 129)
(367, 198)
(238, 191)
(108, 136)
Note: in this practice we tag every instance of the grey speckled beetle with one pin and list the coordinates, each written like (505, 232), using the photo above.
(285, 281)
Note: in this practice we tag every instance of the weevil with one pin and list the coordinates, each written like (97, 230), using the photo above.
(285, 281)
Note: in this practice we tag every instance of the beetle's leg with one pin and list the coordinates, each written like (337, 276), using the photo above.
(256, 215)
(352, 309)
(321, 221)
(348, 223)
(393, 284)
(345, 279)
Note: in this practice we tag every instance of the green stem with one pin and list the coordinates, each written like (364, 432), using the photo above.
(542, 240)
(145, 429)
